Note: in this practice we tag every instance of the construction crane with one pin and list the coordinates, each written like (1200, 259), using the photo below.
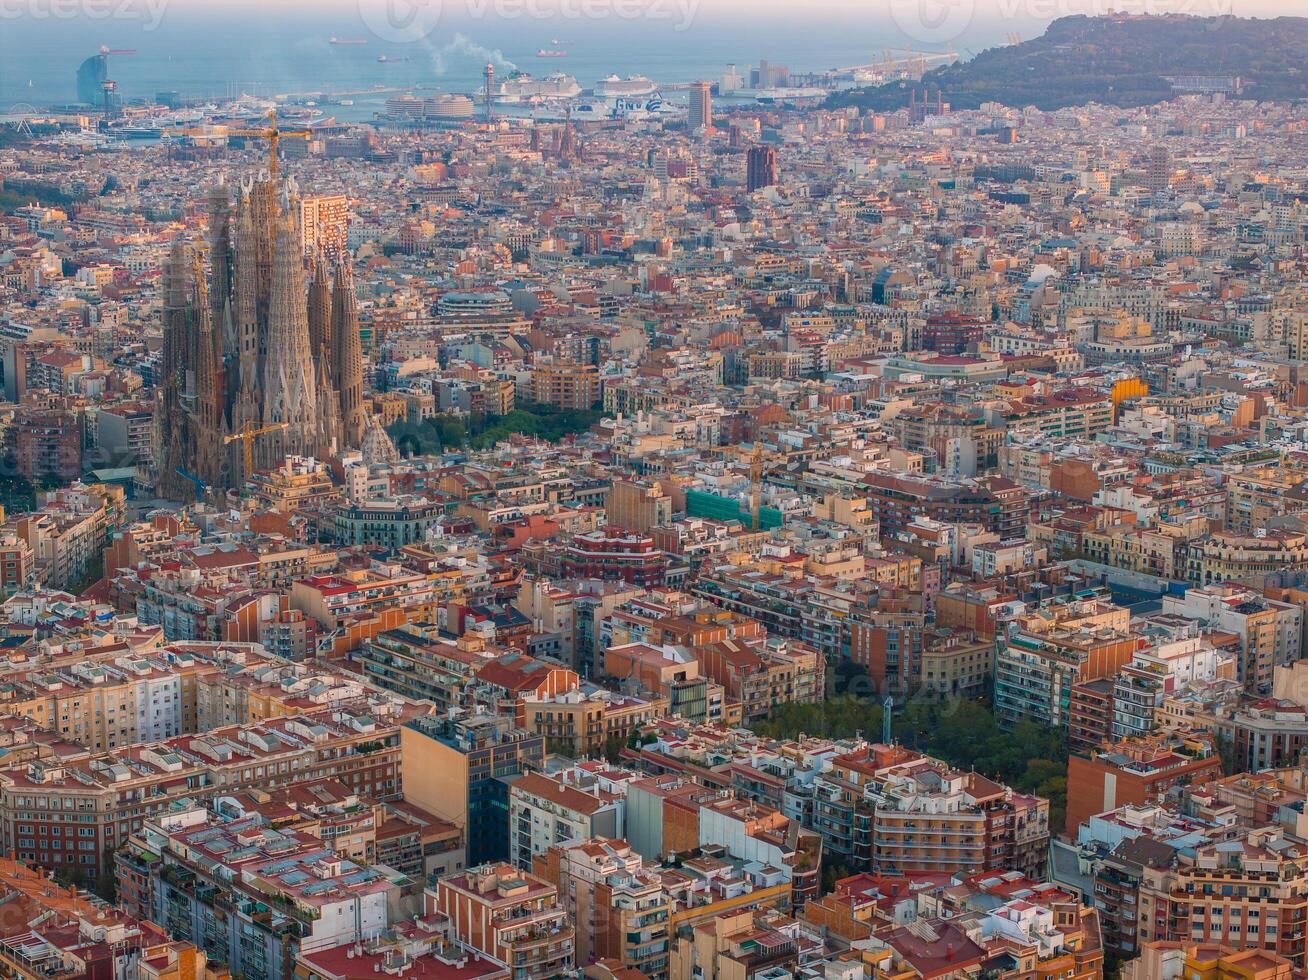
(201, 488)
(271, 133)
(249, 432)
(757, 456)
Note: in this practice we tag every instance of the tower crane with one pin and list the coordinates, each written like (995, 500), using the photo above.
(271, 133)
(249, 432)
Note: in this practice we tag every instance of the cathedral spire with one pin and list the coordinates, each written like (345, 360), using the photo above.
(220, 261)
(207, 431)
(170, 439)
(247, 408)
(320, 315)
(288, 380)
(347, 349)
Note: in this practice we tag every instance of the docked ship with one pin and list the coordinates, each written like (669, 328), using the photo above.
(633, 109)
(631, 87)
(521, 87)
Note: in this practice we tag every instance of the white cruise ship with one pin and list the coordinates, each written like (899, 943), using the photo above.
(630, 87)
(521, 87)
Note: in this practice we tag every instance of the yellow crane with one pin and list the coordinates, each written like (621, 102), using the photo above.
(249, 432)
(271, 133)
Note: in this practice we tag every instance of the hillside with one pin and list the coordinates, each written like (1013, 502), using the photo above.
(1115, 60)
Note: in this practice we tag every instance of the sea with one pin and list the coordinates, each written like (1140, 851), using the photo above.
(285, 49)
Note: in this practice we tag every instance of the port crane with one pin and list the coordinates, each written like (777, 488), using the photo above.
(248, 433)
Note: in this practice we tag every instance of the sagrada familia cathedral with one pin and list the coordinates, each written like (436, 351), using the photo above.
(251, 352)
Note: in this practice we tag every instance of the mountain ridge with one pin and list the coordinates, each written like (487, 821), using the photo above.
(1119, 60)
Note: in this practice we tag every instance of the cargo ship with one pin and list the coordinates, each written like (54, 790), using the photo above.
(551, 53)
(347, 40)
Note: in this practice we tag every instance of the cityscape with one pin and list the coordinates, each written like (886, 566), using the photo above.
(533, 511)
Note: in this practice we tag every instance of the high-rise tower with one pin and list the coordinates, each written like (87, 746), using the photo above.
(701, 106)
(1158, 170)
(760, 168)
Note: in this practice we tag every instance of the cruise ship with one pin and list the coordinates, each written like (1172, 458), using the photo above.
(631, 87)
(521, 87)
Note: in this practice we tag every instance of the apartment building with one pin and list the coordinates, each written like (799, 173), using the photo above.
(1260, 493)
(1270, 632)
(1136, 770)
(620, 906)
(734, 944)
(1250, 893)
(1228, 556)
(564, 385)
(466, 762)
(106, 797)
(545, 811)
(1041, 661)
(888, 809)
(509, 915)
(332, 599)
(256, 897)
(418, 662)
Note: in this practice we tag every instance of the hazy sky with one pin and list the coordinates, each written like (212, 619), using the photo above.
(282, 45)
